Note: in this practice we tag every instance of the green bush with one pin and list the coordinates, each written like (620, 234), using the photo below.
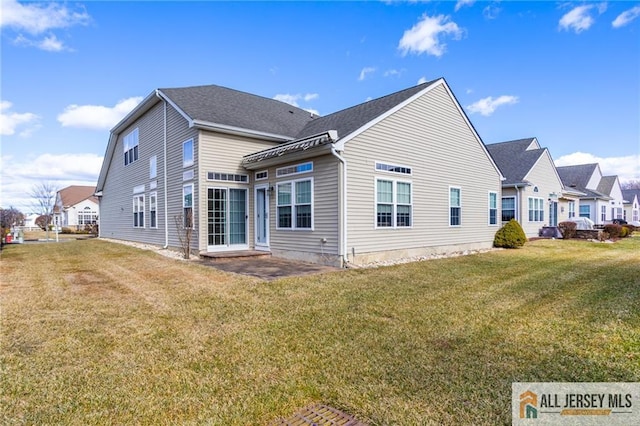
(613, 230)
(568, 229)
(510, 235)
(624, 232)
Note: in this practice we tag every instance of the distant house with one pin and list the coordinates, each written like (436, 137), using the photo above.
(532, 192)
(631, 205)
(402, 175)
(602, 200)
(30, 222)
(76, 206)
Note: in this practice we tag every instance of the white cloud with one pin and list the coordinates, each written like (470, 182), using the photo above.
(37, 18)
(364, 72)
(293, 99)
(11, 121)
(491, 11)
(461, 3)
(97, 116)
(424, 37)
(579, 18)
(488, 105)
(393, 73)
(422, 80)
(626, 168)
(20, 175)
(626, 17)
(49, 43)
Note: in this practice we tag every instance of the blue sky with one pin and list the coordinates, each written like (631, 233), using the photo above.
(567, 73)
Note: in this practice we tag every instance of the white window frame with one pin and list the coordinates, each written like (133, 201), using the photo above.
(603, 214)
(264, 175)
(188, 162)
(130, 143)
(535, 209)
(382, 166)
(293, 170)
(587, 207)
(490, 208)
(394, 203)
(138, 211)
(153, 167)
(153, 208)
(293, 205)
(502, 209)
(572, 209)
(185, 206)
(459, 206)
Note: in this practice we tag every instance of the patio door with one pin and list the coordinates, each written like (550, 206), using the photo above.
(226, 219)
(553, 213)
(262, 217)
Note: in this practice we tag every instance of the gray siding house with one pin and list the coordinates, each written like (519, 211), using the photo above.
(402, 175)
(532, 192)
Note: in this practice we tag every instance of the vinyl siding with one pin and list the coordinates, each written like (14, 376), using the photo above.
(116, 216)
(223, 153)
(431, 136)
(543, 177)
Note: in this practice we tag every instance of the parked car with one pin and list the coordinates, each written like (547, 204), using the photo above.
(619, 221)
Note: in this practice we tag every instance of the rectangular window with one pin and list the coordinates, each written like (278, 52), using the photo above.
(603, 213)
(187, 205)
(153, 167)
(508, 208)
(262, 175)
(572, 209)
(294, 170)
(393, 168)
(585, 211)
(138, 211)
(187, 175)
(131, 147)
(393, 204)
(87, 216)
(455, 206)
(228, 177)
(187, 153)
(153, 208)
(536, 209)
(295, 204)
(493, 208)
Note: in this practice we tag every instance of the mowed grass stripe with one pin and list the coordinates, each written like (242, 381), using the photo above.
(95, 332)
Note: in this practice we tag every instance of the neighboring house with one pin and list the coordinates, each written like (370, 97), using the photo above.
(76, 206)
(402, 175)
(602, 200)
(30, 222)
(532, 191)
(631, 205)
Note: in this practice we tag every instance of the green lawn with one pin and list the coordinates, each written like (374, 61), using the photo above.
(101, 333)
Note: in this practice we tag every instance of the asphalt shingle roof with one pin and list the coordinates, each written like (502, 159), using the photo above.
(221, 105)
(513, 158)
(628, 194)
(606, 184)
(351, 119)
(576, 176)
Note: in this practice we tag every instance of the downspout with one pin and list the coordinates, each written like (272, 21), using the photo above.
(342, 247)
(164, 166)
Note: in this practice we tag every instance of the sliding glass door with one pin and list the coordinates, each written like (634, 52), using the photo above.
(227, 219)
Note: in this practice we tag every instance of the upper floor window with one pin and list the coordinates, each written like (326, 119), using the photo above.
(187, 153)
(455, 206)
(393, 168)
(153, 167)
(130, 142)
(187, 205)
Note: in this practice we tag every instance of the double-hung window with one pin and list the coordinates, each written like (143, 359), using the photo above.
(493, 208)
(153, 208)
(295, 204)
(455, 206)
(536, 209)
(138, 211)
(572, 209)
(187, 205)
(130, 143)
(603, 213)
(508, 208)
(393, 204)
(585, 211)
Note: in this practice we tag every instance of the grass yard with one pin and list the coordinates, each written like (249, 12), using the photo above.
(94, 332)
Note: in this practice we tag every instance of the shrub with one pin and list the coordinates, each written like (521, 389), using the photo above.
(613, 230)
(568, 229)
(66, 230)
(510, 235)
(624, 232)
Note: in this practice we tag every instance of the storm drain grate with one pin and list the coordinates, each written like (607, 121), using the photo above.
(320, 415)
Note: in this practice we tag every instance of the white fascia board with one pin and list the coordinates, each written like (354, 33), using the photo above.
(186, 116)
(555, 171)
(232, 130)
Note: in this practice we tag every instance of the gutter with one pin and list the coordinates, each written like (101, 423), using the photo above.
(164, 167)
(342, 247)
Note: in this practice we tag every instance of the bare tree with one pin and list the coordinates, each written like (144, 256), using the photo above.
(184, 226)
(631, 184)
(44, 198)
(11, 217)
